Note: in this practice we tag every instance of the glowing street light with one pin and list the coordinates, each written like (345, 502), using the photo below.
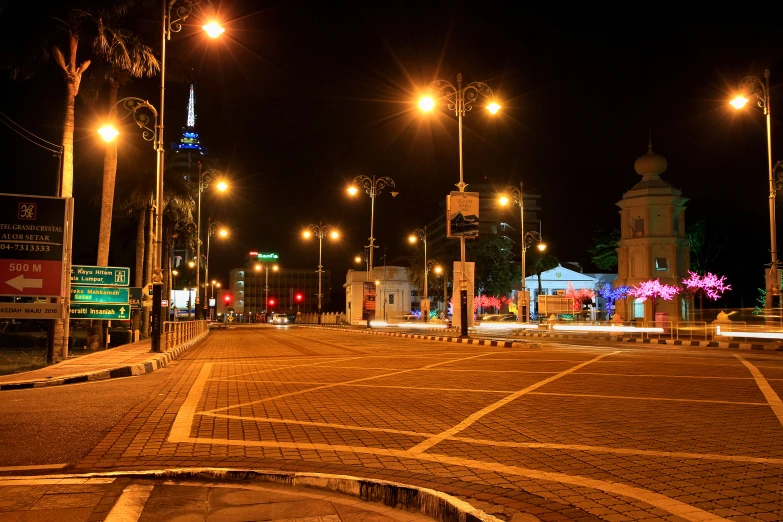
(352, 190)
(223, 232)
(426, 104)
(191, 264)
(320, 231)
(108, 133)
(420, 234)
(204, 180)
(460, 99)
(212, 228)
(222, 186)
(213, 29)
(754, 87)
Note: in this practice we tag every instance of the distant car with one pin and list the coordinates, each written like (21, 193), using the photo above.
(279, 319)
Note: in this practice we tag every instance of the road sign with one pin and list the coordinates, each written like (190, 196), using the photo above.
(107, 312)
(134, 298)
(164, 302)
(31, 311)
(32, 233)
(99, 294)
(100, 275)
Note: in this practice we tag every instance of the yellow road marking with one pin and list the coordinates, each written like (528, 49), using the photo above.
(706, 401)
(427, 444)
(772, 398)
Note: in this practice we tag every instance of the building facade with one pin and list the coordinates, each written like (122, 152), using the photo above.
(652, 242)
(384, 297)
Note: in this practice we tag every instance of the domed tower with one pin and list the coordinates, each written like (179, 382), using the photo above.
(652, 239)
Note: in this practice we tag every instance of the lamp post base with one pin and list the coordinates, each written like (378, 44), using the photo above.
(463, 313)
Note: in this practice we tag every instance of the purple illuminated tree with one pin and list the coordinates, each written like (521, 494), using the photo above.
(710, 285)
(653, 289)
(612, 294)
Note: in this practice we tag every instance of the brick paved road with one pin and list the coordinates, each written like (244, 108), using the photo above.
(557, 431)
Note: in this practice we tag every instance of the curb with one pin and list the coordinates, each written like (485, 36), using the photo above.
(544, 336)
(478, 342)
(429, 502)
(148, 366)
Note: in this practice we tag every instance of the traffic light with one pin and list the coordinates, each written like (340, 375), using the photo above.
(227, 298)
(271, 301)
(299, 298)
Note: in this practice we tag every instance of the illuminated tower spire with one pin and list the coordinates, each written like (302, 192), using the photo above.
(191, 108)
(189, 141)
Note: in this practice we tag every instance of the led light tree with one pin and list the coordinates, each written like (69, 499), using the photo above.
(653, 289)
(611, 294)
(710, 285)
(579, 295)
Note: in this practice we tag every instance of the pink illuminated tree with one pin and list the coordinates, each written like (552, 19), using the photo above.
(653, 289)
(710, 285)
(579, 296)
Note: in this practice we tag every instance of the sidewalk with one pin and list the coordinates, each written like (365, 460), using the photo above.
(122, 361)
(225, 495)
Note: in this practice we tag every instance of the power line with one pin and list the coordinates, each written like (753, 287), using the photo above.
(17, 128)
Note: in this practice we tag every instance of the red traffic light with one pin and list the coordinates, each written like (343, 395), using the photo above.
(271, 302)
(227, 298)
(299, 298)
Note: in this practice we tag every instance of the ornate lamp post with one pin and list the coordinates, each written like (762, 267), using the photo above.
(362, 257)
(420, 234)
(517, 196)
(460, 100)
(320, 231)
(213, 228)
(204, 179)
(372, 186)
(754, 87)
(213, 29)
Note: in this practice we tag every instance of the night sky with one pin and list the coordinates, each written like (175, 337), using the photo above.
(295, 100)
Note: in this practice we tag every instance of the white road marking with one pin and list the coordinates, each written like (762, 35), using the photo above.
(772, 398)
(427, 444)
(131, 503)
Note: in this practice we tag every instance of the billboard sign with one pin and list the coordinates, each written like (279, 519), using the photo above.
(32, 238)
(462, 214)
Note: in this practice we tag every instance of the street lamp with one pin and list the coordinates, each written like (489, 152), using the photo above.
(258, 268)
(420, 234)
(372, 186)
(362, 257)
(517, 196)
(320, 230)
(460, 100)
(213, 228)
(754, 87)
(204, 179)
(170, 25)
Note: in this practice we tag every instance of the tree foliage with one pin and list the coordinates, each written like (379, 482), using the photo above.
(604, 250)
(494, 265)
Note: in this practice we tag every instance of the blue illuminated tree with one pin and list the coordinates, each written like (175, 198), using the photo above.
(612, 294)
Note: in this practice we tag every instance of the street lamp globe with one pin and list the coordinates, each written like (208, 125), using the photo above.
(213, 29)
(426, 104)
(541, 246)
(275, 268)
(739, 102)
(504, 200)
(214, 282)
(222, 186)
(174, 272)
(357, 259)
(191, 264)
(334, 234)
(306, 234)
(352, 190)
(217, 285)
(223, 232)
(257, 268)
(108, 133)
(493, 108)
(438, 269)
(412, 238)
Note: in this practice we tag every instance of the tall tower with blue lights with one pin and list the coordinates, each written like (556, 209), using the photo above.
(189, 142)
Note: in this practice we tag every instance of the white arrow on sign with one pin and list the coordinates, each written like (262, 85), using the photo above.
(20, 282)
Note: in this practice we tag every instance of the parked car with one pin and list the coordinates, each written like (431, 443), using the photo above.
(278, 319)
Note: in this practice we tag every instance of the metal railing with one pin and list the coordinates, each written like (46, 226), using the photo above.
(176, 333)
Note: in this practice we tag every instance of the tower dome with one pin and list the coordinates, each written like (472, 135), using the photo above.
(650, 165)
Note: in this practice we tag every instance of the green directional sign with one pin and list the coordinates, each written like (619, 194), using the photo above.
(100, 275)
(107, 312)
(99, 294)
